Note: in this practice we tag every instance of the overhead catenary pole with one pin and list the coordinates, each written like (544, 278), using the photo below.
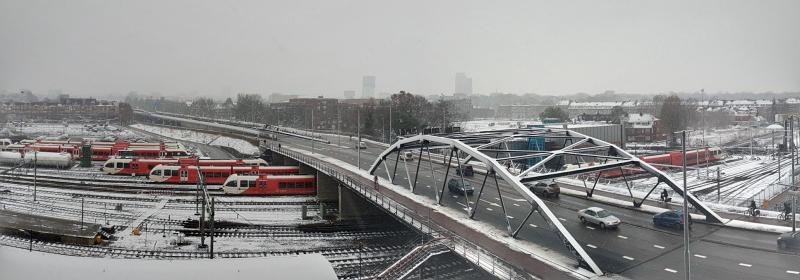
(791, 174)
(211, 248)
(35, 166)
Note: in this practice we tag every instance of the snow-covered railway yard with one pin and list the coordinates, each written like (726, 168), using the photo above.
(150, 218)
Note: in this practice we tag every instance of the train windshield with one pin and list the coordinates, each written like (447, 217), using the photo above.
(110, 165)
(156, 172)
(231, 183)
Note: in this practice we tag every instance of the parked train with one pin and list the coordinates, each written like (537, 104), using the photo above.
(103, 152)
(670, 159)
(42, 159)
(136, 166)
(213, 175)
(270, 185)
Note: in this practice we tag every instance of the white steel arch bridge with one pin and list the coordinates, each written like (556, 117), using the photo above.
(494, 152)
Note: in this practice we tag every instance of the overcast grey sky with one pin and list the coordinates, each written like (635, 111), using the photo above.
(324, 47)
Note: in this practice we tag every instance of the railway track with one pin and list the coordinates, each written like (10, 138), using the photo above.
(87, 185)
(107, 251)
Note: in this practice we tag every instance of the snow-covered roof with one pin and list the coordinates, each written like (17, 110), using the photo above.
(639, 118)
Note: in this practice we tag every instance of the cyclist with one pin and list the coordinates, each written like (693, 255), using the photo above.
(753, 208)
(664, 195)
(787, 210)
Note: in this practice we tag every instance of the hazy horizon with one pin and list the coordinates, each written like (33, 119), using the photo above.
(324, 48)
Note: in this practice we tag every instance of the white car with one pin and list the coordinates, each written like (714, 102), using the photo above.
(361, 145)
(598, 216)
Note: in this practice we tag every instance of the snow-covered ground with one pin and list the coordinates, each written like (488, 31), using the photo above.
(18, 263)
(744, 179)
(70, 130)
(239, 145)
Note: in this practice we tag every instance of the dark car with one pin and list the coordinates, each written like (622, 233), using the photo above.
(550, 189)
(789, 240)
(467, 169)
(454, 185)
(673, 219)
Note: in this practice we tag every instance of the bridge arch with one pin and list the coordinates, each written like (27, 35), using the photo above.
(491, 152)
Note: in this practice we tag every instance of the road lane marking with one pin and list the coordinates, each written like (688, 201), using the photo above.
(628, 258)
(497, 198)
(670, 270)
(462, 204)
(428, 186)
(591, 246)
(622, 236)
(487, 208)
(509, 217)
(533, 225)
(700, 256)
(455, 196)
(592, 228)
(793, 272)
(562, 219)
(516, 204)
(658, 246)
(745, 264)
(518, 199)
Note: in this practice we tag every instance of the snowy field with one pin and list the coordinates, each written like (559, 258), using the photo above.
(239, 145)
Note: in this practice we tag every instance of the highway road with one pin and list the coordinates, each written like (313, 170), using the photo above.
(637, 250)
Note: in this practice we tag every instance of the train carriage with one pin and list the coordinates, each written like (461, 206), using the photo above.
(213, 175)
(671, 159)
(135, 166)
(270, 185)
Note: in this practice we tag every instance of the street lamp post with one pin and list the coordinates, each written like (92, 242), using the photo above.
(312, 131)
(686, 255)
(358, 131)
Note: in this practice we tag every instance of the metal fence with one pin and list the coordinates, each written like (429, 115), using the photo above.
(470, 251)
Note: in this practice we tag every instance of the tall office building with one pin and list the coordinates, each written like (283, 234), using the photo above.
(368, 87)
(463, 84)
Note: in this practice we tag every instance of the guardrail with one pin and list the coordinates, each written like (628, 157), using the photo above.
(364, 187)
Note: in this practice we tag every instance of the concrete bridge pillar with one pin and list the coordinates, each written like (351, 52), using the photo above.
(276, 158)
(304, 169)
(327, 188)
(354, 207)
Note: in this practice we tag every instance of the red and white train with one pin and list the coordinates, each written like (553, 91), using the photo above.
(104, 152)
(212, 175)
(139, 166)
(270, 185)
(671, 159)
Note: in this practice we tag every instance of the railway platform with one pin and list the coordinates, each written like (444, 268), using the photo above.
(48, 228)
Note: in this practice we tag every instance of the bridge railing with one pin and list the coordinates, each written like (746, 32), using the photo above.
(365, 187)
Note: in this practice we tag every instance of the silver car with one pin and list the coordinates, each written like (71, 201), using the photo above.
(598, 216)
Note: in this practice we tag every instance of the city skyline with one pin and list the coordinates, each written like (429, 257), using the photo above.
(86, 48)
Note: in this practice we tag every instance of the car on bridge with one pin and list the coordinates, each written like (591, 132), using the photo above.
(598, 216)
(672, 218)
(361, 145)
(455, 186)
(550, 189)
(789, 240)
